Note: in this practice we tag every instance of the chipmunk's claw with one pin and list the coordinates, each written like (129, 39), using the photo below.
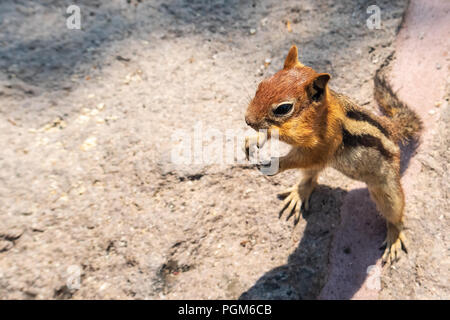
(395, 242)
(253, 142)
(292, 204)
(297, 211)
(296, 200)
(249, 147)
(284, 194)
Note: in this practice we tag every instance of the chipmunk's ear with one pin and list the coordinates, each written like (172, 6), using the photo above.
(292, 58)
(317, 87)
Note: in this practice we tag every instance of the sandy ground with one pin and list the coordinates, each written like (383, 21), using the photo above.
(93, 207)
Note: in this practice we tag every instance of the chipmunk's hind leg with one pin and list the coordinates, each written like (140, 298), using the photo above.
(390, 201)
(299, 194)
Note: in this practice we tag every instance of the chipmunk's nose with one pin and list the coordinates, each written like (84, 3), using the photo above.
(247, 121)
(250, 121)
(253, 121)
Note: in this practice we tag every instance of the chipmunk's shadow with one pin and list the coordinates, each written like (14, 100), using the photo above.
(307, 271)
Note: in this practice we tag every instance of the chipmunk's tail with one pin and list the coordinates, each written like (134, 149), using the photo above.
(407, 123)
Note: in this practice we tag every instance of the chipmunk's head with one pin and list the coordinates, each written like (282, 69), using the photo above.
(289, 100)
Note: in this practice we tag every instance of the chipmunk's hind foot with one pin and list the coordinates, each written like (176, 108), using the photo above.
(395, 242)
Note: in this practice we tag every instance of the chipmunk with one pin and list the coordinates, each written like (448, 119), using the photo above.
(326, 128)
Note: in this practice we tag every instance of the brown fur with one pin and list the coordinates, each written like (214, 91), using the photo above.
(327, 129)
(408, 124)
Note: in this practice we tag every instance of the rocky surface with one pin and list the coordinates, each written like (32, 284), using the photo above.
(94, 208)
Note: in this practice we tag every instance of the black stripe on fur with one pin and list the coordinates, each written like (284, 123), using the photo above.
(365, 140)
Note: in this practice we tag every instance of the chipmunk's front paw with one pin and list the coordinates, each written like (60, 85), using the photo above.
(251, 142)
(395, 241)
(296, 198)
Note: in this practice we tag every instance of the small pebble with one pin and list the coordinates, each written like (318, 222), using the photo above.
(89, 143)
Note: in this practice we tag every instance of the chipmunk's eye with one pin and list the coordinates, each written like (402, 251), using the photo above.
(283, 109)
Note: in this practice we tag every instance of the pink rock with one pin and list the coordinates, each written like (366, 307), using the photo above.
(419, 78)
